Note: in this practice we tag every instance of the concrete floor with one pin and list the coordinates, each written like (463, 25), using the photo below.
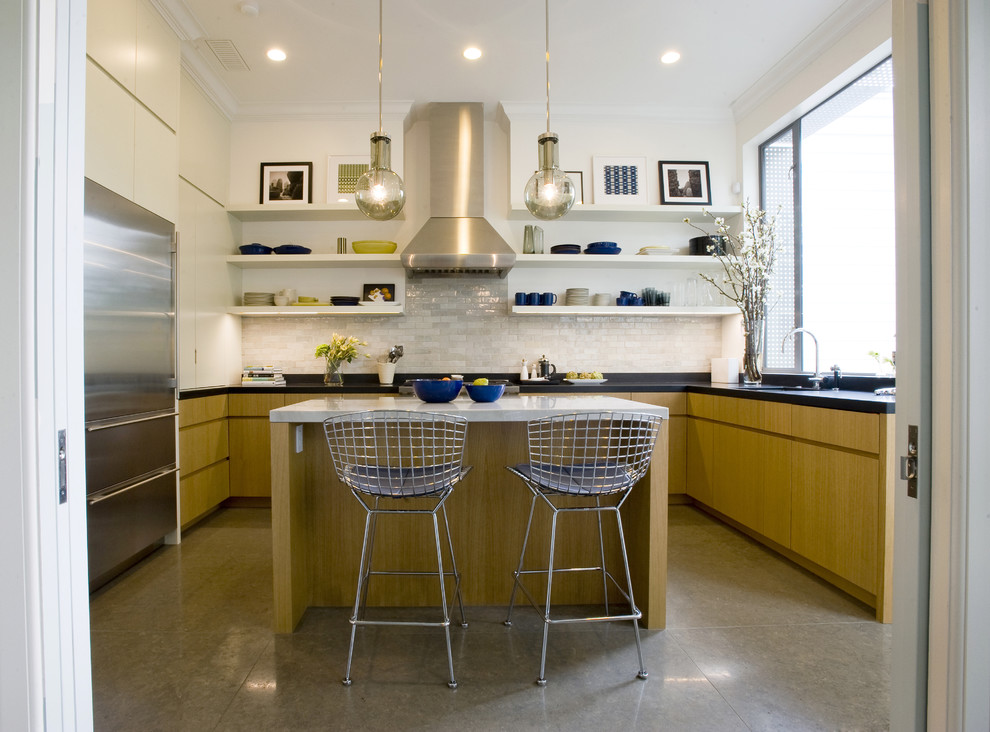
(183, 641)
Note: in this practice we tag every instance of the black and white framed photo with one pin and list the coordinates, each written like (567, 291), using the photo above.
(286, 182)
(620, 180)
(684, 182)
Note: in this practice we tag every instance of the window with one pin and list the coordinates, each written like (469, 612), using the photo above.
(832, 174)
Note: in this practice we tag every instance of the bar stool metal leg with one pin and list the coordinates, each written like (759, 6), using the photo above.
(362, 581)
(453, 566)
(443, 602)
(542, 680)
(601, 547)
(633, 610)
(522, 555)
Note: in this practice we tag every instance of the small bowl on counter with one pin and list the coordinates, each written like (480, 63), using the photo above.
(485, 392)
(436, 391)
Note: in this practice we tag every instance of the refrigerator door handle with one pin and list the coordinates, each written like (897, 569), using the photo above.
(121, 423)
(97, 497)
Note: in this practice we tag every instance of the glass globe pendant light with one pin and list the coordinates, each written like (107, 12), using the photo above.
(379, 193)
(549, 193)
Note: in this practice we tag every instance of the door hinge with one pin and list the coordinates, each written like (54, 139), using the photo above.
(63, 494)
(909, 462)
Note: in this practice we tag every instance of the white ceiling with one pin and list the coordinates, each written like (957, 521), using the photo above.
(602, 53)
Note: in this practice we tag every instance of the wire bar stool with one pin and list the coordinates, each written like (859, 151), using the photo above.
(386, 458)
(580, 463)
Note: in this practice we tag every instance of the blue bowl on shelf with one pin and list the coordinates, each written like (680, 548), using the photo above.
(437, 391)
(602, 245)
(255, 249)
(292, 249)
(485, 392)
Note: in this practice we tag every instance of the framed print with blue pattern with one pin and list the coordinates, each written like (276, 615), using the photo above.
(620, 180)
(685, 183)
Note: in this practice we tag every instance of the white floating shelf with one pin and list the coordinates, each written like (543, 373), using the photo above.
(607, 212)
(309, 310)
(585, 261)
(300, 212)
(625, 310)
(308, 261)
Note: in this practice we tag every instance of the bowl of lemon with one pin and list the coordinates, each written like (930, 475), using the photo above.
(482, 391)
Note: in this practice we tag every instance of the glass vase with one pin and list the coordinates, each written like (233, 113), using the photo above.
(333, 375)
(753, 351)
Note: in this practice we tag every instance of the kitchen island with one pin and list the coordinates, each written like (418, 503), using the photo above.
(317, 524)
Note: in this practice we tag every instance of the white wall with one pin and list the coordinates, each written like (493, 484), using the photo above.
(463, 324)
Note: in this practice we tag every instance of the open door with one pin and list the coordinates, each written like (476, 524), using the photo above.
(912, 502)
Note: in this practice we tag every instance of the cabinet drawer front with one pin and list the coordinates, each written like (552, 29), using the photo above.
(852, 430)
(255, 405)
(701, 405)
(202, 445)
(202, 491)
(676, 402)
(204, 409)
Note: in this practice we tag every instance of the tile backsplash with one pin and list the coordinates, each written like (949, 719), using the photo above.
(463, 324)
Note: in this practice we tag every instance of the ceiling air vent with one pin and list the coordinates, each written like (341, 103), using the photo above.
(228, 55)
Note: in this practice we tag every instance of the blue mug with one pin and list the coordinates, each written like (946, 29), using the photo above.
(520, 298)
(533, 298)
(622, 300)
(548, 298)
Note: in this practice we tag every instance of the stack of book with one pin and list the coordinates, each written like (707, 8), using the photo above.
(262, 376)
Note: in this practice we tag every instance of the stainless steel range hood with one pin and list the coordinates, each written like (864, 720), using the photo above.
(457, 239)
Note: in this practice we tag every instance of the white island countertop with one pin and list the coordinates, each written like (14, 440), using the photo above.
(510, 408)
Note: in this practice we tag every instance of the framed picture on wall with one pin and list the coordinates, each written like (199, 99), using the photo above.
(684, 182)
(286, 183)
(343, 172)
(620, 180)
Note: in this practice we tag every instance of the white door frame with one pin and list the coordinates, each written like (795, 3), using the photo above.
(959, 631)
(45, 680)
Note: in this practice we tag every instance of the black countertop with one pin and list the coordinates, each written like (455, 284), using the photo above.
(855, 395)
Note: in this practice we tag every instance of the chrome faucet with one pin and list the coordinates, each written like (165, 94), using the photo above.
(816, 380)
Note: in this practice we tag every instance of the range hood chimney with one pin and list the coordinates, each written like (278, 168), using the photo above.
(457, 239)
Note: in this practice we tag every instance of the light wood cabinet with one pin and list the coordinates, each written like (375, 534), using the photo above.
(250, 444)
(203, 456)
(812, 483)
(675, 427)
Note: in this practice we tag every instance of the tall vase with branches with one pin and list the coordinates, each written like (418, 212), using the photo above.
(747, 260)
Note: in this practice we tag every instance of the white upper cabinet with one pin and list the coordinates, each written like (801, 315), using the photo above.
(129, 40)
(156, 65)
(204, 141)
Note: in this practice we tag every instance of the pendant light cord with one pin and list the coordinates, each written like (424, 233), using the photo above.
(380, 68)
(547, 21)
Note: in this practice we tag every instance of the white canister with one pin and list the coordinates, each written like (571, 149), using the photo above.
(386, 373)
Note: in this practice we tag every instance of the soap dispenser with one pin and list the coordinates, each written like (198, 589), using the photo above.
(523, 373)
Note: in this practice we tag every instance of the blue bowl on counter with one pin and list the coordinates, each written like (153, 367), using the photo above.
(485, 392)
(436, 391)
(255, 249)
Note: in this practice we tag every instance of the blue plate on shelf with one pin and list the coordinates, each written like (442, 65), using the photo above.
(292, 249)
(602, 250)
(565, 249)
(603, 245)
(255, 249)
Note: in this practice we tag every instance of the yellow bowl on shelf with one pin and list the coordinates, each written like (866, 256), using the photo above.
(373, 247)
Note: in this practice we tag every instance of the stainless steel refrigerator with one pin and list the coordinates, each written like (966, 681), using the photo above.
(130, 381)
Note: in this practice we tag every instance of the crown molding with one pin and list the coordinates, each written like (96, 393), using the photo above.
(208, 82)
(602, 113)
(837, 26)
(396, 111)
(180, 19)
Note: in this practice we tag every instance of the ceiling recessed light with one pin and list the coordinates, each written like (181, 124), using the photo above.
(670, 57)
(276, 54)
(472, 53)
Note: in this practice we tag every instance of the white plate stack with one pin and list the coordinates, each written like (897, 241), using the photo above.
(602, 298)
(259, 298)
(576, 296)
